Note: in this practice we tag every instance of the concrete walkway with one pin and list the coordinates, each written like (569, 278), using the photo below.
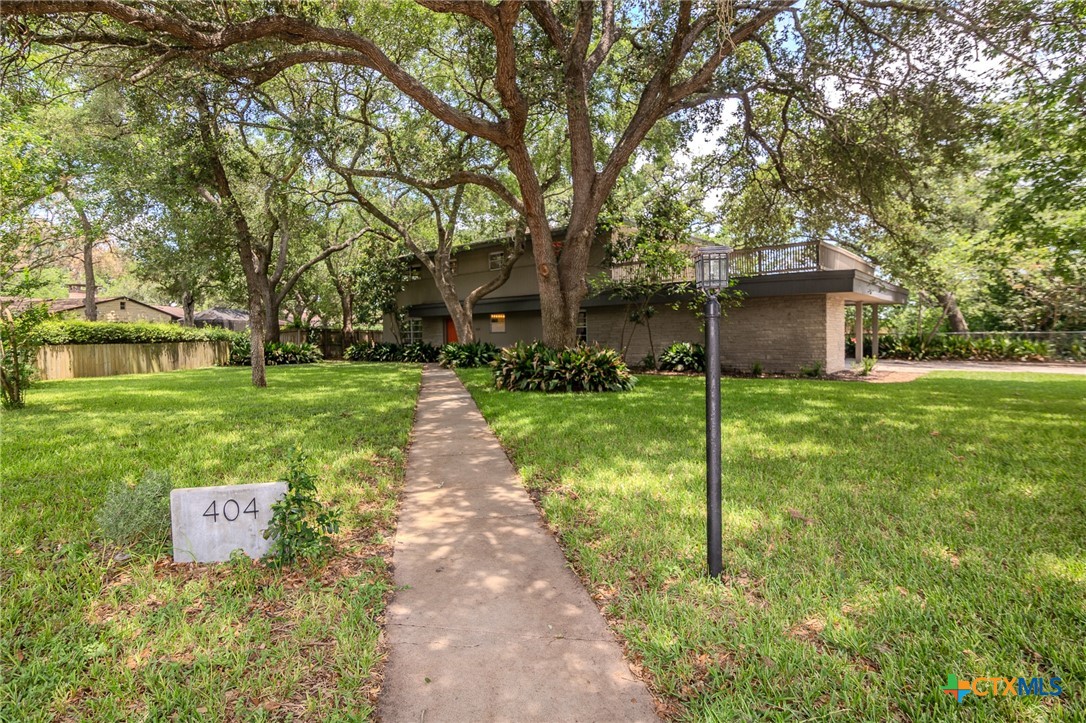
(923, 367)
(490, 623)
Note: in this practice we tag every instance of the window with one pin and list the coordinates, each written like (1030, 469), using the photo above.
(497, 323)
(496, 259)
(412, 333)
(123, 305)
(454, 266)
(414, 272)
(582, 327)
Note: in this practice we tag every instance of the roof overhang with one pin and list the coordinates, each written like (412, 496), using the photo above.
(855, 285)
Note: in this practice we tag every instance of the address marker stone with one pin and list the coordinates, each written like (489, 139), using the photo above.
(209, 523)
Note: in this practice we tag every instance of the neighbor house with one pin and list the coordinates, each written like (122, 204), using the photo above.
(110, 308)
(788, 311)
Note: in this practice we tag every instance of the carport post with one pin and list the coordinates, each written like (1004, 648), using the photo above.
(875, 331)
(859, 332)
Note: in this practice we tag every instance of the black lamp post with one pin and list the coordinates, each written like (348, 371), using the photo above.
(710, 276)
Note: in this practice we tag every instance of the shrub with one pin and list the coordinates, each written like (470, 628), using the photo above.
(756, 369)
(815, 370)
(300, 528)
(682, 356)
(373, 352)
(241, 353)
(648, 362)
(464, 356)
(138, 513)
(287, 353)
(958, 347)
(535, 367)
(18, 352)
(420, 352)
(867, 365)
(108, 332)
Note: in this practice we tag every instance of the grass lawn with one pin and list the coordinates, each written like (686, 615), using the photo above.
(877, 537)
(90, 634)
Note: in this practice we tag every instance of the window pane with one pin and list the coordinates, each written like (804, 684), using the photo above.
(497, 323)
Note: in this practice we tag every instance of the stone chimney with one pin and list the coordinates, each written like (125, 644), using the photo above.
(77, 291)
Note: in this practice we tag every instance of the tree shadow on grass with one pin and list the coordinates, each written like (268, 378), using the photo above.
(908, 529)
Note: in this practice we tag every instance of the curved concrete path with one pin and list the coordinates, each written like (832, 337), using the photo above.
(490, 623)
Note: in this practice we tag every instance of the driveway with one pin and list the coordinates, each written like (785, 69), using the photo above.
(923, 367)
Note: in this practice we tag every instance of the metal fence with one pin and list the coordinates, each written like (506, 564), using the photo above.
(767, 260)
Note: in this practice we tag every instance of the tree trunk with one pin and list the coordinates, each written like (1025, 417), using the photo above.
(90, 302)
(346, 303)
(257, 322)
(188, 305)
(271, 308)
(467, 309)
(953, 313)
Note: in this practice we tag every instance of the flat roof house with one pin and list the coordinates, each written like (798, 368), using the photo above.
(790, 310)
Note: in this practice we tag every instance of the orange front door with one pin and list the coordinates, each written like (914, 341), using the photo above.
(450, 331)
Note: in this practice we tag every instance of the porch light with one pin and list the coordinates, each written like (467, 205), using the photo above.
(711, 268)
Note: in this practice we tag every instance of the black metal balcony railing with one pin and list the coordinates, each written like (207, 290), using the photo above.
(802, 256)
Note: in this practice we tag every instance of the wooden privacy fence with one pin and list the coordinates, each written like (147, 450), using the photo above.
(74, 361)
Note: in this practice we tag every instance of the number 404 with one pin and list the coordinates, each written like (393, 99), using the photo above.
(231, 510)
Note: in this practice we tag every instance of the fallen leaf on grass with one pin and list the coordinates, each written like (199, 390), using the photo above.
(797, 515)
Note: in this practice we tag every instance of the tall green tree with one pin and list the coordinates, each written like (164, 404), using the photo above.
(606, 74)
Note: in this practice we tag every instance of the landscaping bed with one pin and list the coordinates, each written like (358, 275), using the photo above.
(96, 632)
(877, 538)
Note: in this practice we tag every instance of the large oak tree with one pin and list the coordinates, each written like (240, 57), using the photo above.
(605, 73)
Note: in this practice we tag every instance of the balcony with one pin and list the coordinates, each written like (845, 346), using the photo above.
(802, 256)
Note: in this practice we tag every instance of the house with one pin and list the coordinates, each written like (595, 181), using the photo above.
(110, 308)
(788, 311)
(232, 319)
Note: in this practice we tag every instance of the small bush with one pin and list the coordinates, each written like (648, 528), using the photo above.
(867, 365)
(420, 352)
(139, 513)
(464, 356)
(108, 332)
(648, 363)
(300, 528)
(535, 367)
(241, 352)
(682, 356)
(275, 353)
(287, 353)
(374, 352)
(815, 370)
(756, 369)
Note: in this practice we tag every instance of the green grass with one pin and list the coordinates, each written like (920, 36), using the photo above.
(89, 634)
(877, 537)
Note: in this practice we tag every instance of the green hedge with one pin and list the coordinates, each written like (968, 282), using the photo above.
(982, 348)
(106, 332)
